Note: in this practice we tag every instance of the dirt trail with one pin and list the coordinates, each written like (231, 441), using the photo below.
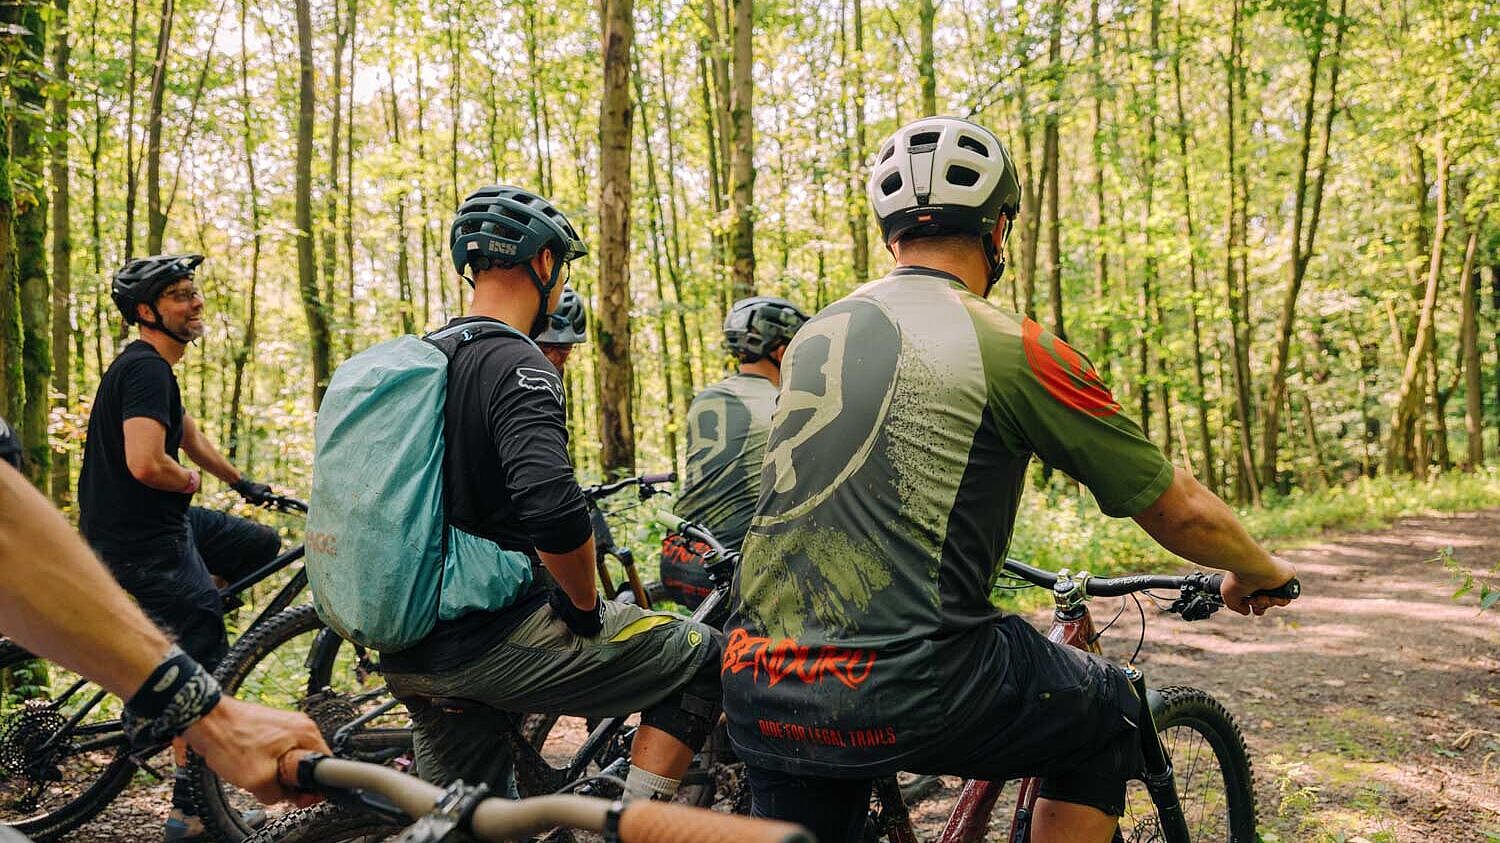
(1372, 710)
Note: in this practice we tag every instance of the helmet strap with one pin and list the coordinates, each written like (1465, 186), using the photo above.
(162, 326)
(994, 260)
(544, 291)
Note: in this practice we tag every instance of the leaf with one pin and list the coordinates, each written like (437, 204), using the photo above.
(1489, 599)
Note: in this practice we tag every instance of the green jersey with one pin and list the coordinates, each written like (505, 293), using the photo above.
(726, 440)
(909, 412)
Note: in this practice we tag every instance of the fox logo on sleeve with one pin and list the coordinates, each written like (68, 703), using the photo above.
(540, 381)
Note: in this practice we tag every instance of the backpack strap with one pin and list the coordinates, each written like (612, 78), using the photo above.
(450, 339)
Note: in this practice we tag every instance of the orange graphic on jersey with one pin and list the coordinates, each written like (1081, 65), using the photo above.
(1065, 374)
(777, 660)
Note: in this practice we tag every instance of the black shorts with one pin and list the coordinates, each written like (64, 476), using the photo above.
(1062, 714)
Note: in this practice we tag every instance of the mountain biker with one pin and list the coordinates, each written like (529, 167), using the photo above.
(134, 493)
(77, 616)
(865, 642)
(567, 326)
(558, 646)
(727, 426)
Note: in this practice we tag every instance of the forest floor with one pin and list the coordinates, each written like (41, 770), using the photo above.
(1372, 709)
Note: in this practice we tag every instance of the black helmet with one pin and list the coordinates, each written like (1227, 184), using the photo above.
(943, 175)
(568, 324)
(506, 226)
(10, 445)
(759, 325)
(141, 281)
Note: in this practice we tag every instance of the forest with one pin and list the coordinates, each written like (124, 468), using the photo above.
(1268, 225)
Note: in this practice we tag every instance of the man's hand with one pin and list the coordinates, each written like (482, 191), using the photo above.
(585, 623)
(1237, 588)
(242, 743)
(253, 492)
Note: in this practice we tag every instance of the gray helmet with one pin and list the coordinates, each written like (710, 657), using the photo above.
(943, 175)
(507, 226)
(759, 325)
(568, 324)
(141, 280)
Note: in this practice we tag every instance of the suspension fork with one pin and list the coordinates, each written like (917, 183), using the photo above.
(1157, 776)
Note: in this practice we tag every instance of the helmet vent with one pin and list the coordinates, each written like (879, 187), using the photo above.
(922, 139)
(962, 176)
(966, 142)
(891, 184)
(886, 154)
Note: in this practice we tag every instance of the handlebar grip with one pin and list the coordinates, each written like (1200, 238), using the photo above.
(1216, 584)
(671, 520)
(289, 769)
(1289, 590)
(664, 477)
(663, 822)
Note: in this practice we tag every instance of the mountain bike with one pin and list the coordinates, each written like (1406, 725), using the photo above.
(294, 661)
(64, 758)
(594, 768)
(1197, 783)
(462, 812)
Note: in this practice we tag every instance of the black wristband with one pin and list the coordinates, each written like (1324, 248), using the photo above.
(173, 697)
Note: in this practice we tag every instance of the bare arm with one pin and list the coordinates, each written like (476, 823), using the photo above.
(202, 452)
(574, 572)
(78, 617)
(1193, 523)
(146, 456)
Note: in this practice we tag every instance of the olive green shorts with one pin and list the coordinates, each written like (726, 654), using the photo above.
(639, 659)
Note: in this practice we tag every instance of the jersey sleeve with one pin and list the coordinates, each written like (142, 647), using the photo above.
(146, 391)
(529, 428)
(1050, 400)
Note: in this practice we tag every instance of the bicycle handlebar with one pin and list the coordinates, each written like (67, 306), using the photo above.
(601, 491)
(1203, 583)
(284, 503)
(504, 819)
(677, 524)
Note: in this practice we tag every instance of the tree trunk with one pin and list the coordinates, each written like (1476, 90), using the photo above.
(12, 379)
(130, 162)
(405, 322)
(615, 371)
(1239, 323)
(854, 154)
(246, 349)
(1469, 343)
(926, 63)
(1302, 241)
(349, 186)
(1404, 451)
(742, 138)
(62, 248)
(27, 154)
(658, 248)
(307, 281)
(1205, 439)
(156, 220)
(1102, 351)
(1050, 156)
(331, 189)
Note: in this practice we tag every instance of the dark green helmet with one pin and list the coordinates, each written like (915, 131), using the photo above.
(505, 226)
(568, 324)
(759, 325)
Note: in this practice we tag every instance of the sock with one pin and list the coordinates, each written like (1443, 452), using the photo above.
(643, 784)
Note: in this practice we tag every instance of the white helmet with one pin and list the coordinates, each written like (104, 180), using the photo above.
(942, 175)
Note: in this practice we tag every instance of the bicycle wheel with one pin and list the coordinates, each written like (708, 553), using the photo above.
(293, 661)
(56, 775)
(1212, 771)
(327, 823)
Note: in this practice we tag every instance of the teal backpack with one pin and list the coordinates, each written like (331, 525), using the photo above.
(383, 562)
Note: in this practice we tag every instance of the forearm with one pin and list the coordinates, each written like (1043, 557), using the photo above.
(574, 572)
(162, 472)
(57, 615)
(207, 457)
(1194, 523)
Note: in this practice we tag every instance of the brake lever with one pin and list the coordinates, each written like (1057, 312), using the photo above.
(1198, 599)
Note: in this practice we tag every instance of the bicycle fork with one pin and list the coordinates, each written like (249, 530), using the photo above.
(1157, 775)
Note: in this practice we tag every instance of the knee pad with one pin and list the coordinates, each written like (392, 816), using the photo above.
(689, 713)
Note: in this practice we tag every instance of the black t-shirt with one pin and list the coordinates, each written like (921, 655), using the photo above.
(119, 513)
(506, 478)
